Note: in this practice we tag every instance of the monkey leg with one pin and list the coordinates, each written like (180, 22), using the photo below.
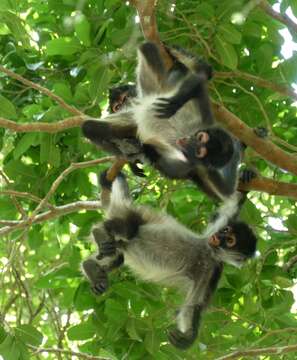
(106, 133)
(125, 228)
(197, 299)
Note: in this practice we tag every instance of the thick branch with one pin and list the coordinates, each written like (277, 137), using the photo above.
(271, 187)
(51, 214)
(282, 89)
(147, 17)
(68, 123)
(279, 350)
(283, 18)
(115, 169)
(41, 89)
(264, 147)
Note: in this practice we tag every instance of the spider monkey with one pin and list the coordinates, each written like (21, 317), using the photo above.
(159, 249)
(120, 97)
(177, 131)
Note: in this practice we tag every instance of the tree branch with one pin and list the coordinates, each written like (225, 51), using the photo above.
(279, 350)
(67, 352)
(69, 123)
(51, 214)
(271, 187)
(283, 18)
(264, 147)
(147, 17)
(41, 89)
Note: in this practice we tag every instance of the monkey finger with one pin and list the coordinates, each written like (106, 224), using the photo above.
(100, 286)
(247, 175)
(107, 248)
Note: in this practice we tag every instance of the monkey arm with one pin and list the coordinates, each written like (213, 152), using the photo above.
(170, 166)
(193, 87)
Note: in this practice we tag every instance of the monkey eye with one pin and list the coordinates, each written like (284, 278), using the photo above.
(202, 137)
(116, 107)
(231, 241)
(201, 152)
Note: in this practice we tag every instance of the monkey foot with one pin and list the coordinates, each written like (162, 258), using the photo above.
(179, 339)
(100, 286)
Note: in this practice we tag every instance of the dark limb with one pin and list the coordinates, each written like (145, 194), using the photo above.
(189, 316)
(151, 72)
(193, 87)
(174, 168)
(96, 271)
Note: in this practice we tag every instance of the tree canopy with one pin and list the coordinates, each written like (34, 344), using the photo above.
(58, 60)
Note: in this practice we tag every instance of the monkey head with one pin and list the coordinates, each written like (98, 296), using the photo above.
(120, 96)
(234, 243)
(211, 147)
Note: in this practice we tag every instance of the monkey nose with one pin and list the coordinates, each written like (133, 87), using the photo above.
(214, 241)
(182, 142)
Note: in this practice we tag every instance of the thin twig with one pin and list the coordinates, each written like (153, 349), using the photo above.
(42, 89)
(66, 352)
(278, 350)
(52, 214)
(283, 18)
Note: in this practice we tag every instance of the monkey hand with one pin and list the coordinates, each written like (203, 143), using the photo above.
(246, 175)
(107, 248)
(167, 107)
(179, 339)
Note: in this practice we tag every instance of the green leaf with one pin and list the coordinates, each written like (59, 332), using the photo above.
(115, 311)
(16, 26)
(29, 335)
(226, 52)
(7, 108)
(9, 348)
(3, 334)
(132, 331)
(292, 223)
(63, 90)
(283, 282)
(83, 331)
(152, 342)
(82, 29)
(63, 46)
(30, 139)
(230, 33)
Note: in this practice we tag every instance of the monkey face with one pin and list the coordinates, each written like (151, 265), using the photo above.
(122, 99)
(225, 238)
(234, 243)
(120, 96)
(211, 147)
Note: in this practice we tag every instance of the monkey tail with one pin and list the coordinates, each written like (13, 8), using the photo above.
(226, 212)
(120, 198)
